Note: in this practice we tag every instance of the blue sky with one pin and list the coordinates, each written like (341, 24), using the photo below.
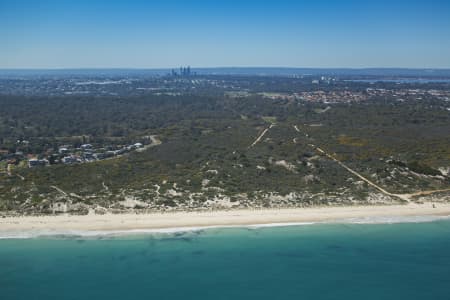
(156, 34)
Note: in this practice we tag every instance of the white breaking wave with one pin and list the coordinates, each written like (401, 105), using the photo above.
(396, 219)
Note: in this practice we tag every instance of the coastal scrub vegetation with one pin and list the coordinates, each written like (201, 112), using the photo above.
(210, 155)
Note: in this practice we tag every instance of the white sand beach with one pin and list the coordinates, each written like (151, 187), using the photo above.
(125, 222)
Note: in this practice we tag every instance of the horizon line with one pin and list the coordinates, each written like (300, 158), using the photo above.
(216, 67)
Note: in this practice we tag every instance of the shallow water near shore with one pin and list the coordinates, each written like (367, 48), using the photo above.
(320, 261)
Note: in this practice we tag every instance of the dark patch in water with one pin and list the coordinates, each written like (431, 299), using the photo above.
(362, 250)
(176, 239)
(198, 252)
(122, 257)
(253, 231)
(81, 241)
(334, 247)
(178, 234)
(292, 254)
(61, 236)
(143, 252)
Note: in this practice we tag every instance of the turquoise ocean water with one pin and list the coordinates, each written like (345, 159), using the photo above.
(321, 261)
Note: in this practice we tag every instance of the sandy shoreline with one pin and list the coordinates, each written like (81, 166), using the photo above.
(125, 222)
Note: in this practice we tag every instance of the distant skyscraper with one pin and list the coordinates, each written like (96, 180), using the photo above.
(183, 71)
